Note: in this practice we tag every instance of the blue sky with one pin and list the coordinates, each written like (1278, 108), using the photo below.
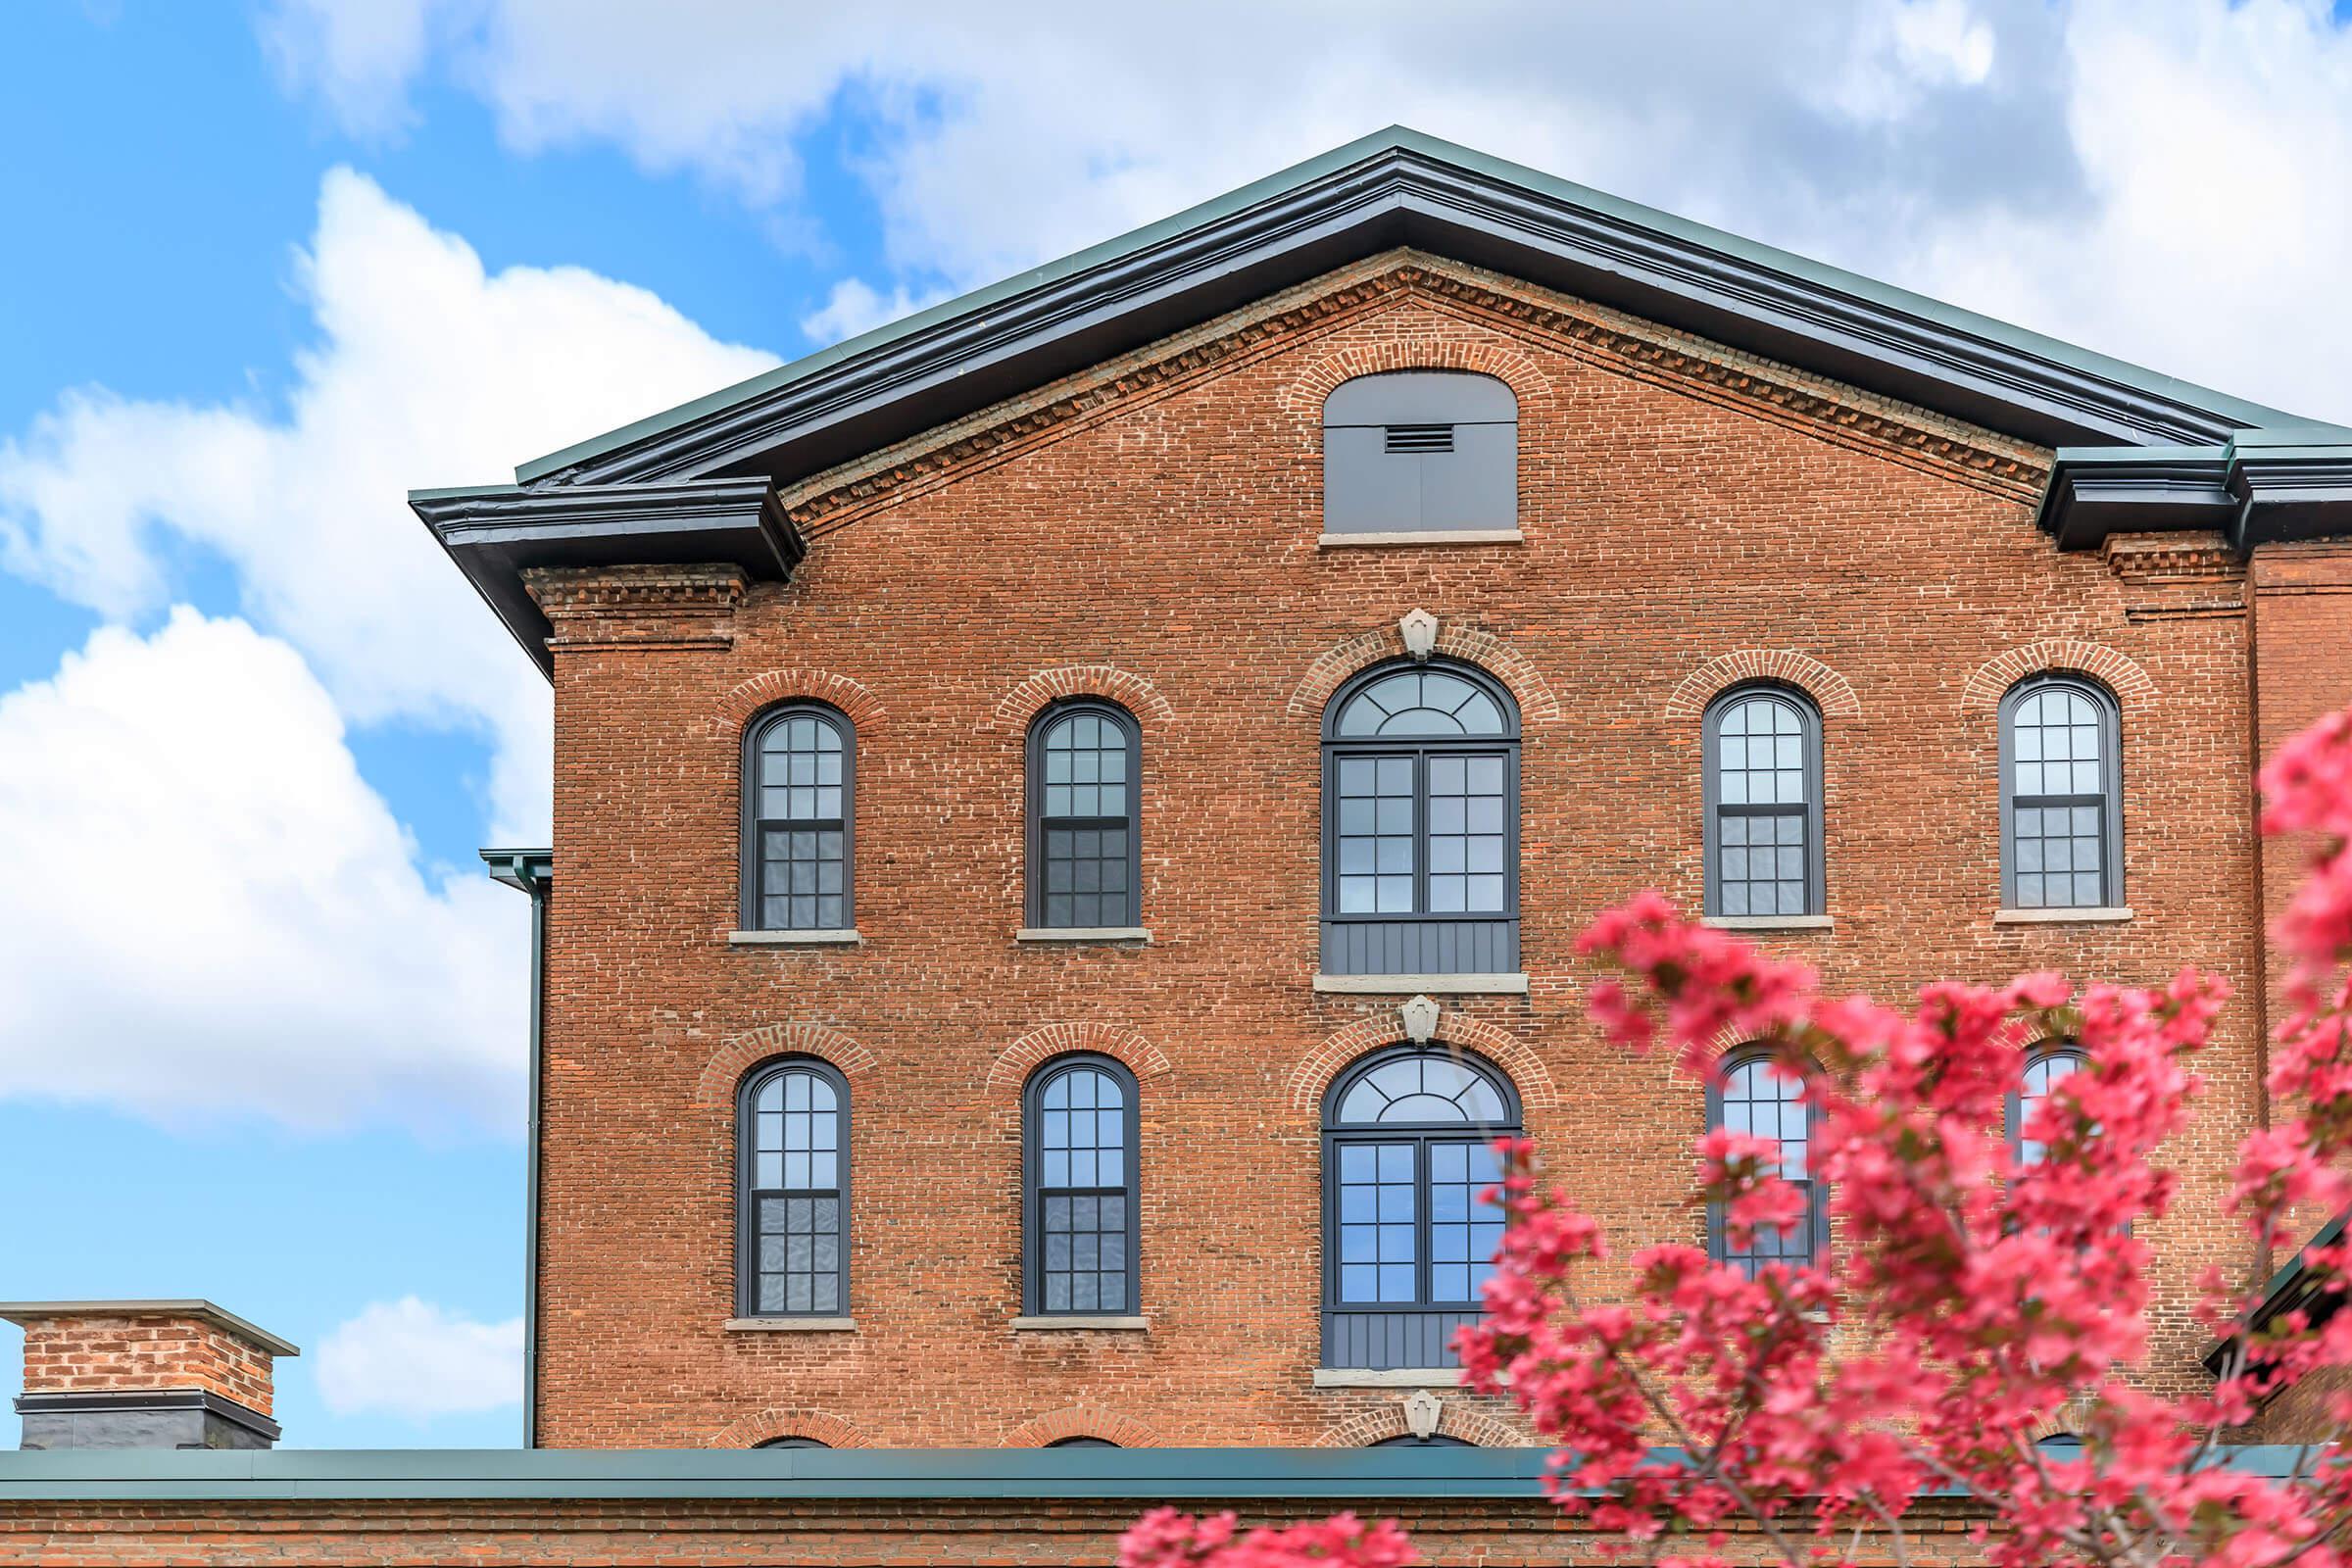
(277, 262)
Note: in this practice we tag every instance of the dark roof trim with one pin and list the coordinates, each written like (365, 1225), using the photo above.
(2258, 487)
(2291, 1287)
(495, 532)
(524, 870)
(204, 1399)
(1398, 188)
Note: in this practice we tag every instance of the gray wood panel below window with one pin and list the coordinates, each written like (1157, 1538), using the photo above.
(1377, 1340)
(1420, 947)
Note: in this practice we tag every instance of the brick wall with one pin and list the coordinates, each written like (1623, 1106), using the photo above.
(86, 1353)
(1148, 531)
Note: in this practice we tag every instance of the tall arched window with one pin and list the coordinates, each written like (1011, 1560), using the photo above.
(798, 764)
(1407, 1243)
(1084, 859)
(2062, 827)
(2046, 1064)
(1763, 804)
(1081, 1227)
(1421, 823)
(1411, 452)
(792, 1442)
(1751, 1097)
(793, 1191)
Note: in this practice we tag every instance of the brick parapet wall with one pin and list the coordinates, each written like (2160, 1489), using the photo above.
(96, 1353)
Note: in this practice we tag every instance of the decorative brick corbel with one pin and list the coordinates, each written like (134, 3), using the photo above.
(638, 607)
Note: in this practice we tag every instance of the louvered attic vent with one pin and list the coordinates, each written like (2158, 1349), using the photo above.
(1420, 438)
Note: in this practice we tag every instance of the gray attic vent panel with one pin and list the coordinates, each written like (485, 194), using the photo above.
(1420, 451)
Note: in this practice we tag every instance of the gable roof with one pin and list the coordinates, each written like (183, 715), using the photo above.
(1395, 189)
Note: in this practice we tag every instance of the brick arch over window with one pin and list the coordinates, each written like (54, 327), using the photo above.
(788, 1421)
(1082, 1421)
(1831, 692)
(1456, 1419)
(1506, 1050)
(858, 702)
(1019, 707)
(1016, 1061)
(1439, 348)
(2055, 656)
(1497, 657)
(738, 1054)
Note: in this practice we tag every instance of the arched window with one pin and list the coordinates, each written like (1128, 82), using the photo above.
(1421, 452)
(2062, 825)
(1407, 1243)
(792, 1442)
(2045, 1066)
(1752, 1097)
(793, 1191)
(1085, 861)
(798, 764)
(1082, 1443)
(1763, 804)
(1421, 823)
(1081, 1228)
(1405, 1440)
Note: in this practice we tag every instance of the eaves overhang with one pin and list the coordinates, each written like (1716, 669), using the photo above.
(495, 533)
(2297, 1286)
(1398, 188)
(2258, 487)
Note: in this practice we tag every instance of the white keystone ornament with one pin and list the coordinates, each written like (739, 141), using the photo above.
(1420, 630)
(1420, 1018)
(1421, 1411)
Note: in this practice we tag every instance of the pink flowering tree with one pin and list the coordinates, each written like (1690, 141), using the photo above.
(1977, 1296)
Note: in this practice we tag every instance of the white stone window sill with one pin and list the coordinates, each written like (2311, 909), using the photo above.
(1399, 1377)
(844, 938)
(792, 1325)
(1769, 923)
(1406, 985)
(1420, 536)
(2060, 917)
(1081, 933)
(1076, 1320)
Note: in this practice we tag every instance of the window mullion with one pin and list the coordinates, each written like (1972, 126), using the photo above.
(1422, 1294)
(1421, 831)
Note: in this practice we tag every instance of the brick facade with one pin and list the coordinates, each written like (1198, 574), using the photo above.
(143, 1352)
(1146, 531)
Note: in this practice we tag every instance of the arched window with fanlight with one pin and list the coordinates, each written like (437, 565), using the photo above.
(1421, 823)
(1750, 1095)
(793, 1191)
(799, 762)
(1085, 856)
(1079, 1225)
(1408, 1240)
(2062, 825)
(1763, 804)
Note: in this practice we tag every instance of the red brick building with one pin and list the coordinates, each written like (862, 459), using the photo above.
(1071, 810)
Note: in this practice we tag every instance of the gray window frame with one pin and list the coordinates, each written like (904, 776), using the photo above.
(1337, 1134)
(748, 829)
(1817, 1205)
(1420, 749)
(1033, 766)
(1817, 890)
(2111, 781)
(1032, 1257)
(746, 1270)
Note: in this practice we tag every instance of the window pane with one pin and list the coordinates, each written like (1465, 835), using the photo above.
(1754, 1098)
(1082, 1133)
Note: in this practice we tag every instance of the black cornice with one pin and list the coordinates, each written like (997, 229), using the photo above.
(1084, 312)
(496, 534)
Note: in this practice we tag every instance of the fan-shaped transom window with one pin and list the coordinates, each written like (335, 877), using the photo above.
(2061, 795)
(1085, 817)
(1421, 810)
(1763, 804)
(792, 1196)
(1409, 1238)
(1082, 1226)
(797, 820)
(1420, 452)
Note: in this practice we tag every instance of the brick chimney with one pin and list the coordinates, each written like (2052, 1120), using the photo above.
(143, 1375)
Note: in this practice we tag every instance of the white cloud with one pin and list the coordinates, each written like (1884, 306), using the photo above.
(210, 912)
(854, 306)
(413, 1359)
(2065, 167)
(427, 370)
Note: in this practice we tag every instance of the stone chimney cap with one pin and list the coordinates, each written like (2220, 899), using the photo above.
(23, 1312)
